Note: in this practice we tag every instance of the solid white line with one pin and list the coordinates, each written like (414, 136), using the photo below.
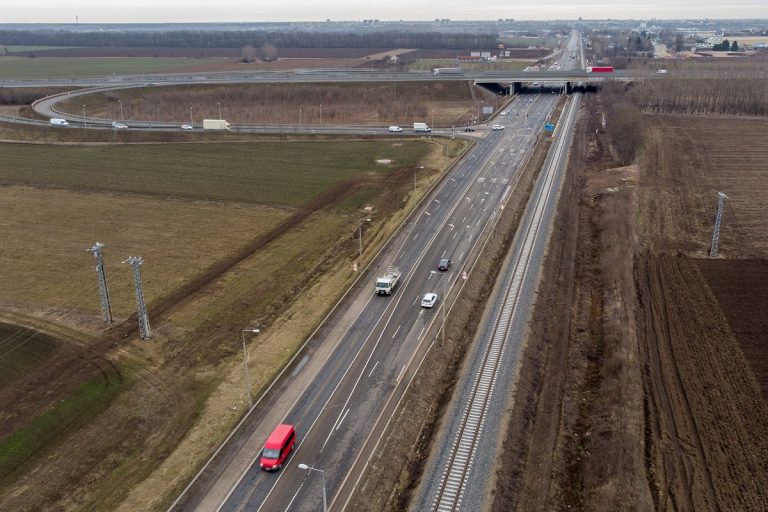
(374, 367)
(401, 373)
(342, 420)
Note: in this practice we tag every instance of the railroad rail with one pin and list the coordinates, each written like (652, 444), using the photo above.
(458, 466)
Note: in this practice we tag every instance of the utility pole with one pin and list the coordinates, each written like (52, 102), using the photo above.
(106, 310)
(141, 307)
(718, 220)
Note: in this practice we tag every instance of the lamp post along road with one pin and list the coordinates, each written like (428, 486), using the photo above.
(310, 468)
(245, 366)
(122, 117)
(445, 302)
(219, 104)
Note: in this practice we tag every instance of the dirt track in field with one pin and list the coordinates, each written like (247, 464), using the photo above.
(641, 385)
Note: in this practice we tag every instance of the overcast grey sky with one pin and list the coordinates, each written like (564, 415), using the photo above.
(147, 11)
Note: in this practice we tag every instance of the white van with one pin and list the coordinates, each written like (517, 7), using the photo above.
(59, 122)
(395, 129)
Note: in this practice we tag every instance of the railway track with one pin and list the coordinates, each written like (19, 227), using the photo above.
(458, 466)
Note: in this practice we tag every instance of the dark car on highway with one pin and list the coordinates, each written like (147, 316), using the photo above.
(469, 129)
(444, 264)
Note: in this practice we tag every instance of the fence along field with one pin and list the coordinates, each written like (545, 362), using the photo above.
(60, 202)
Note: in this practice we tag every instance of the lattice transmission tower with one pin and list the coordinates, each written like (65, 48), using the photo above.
(136, 262)
(718, 220)
(106, 309)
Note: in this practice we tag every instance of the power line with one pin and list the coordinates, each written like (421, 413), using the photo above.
(106, 310)
(718, 220)
(136, 263)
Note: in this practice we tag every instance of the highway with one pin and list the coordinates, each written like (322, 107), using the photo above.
(376, 340)
(464, 459)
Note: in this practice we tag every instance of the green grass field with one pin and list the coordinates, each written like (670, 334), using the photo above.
(244, 172)
(70, 412)
(33, 48)
(21, 350)
(52, 67)
(525, 42)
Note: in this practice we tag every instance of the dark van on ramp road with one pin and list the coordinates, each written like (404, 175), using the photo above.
(277, 448)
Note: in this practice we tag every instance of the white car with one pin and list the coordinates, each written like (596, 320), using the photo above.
(429, 300)
(186, 127)
(395, 129)
(119, 126)
(497, 127)
(503, 114)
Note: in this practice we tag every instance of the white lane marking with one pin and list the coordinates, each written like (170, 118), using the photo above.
(341, 420)
(437, 201)
(452, 226)
(461, 256)
(421, 333)
(374, 367)
(454, 235)
(427, 214)
(401, 373)
(415, 237)
(443, 255)
(397, 330)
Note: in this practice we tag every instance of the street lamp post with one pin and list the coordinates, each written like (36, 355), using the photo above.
(245, 366)
(444, 304)
(122, 117)
(310, 468)
(191, 123)
(219, 104)
(321, 113)
(299, 120)
(85, 123)
(360, 236)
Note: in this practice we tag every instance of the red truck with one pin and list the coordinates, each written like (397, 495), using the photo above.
(600, 69)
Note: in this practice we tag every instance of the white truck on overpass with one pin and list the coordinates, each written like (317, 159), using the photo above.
(215, 124)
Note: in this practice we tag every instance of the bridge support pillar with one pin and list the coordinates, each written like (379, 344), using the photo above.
(568, 88)
(516, 87)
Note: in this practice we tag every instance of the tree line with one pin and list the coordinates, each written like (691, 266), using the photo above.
(239, 39)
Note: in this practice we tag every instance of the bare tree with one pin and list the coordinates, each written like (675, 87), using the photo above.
(248, 53)
(268, 52)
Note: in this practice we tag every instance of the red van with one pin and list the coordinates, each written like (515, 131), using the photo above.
(277, 448)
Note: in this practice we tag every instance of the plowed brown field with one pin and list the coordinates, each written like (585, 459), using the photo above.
(641, 384)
